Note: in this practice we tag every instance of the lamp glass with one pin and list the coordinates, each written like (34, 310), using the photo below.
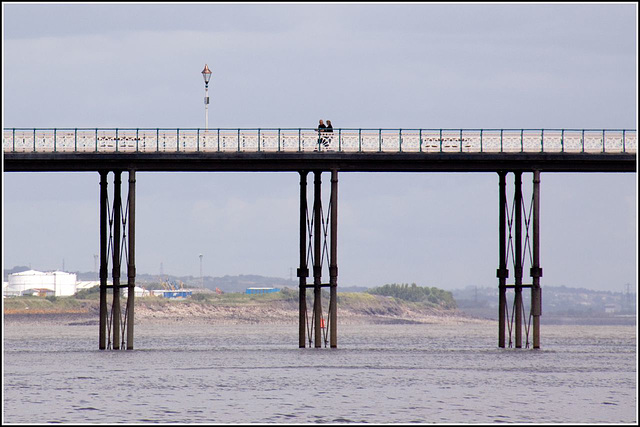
(206, 74)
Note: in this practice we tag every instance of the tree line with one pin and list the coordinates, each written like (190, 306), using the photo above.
(415, 293)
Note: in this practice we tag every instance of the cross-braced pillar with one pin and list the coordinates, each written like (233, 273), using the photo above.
(319, 232)
(111, 238)
(516, 322)
(117, 210)
(518, 259)
(317, 258)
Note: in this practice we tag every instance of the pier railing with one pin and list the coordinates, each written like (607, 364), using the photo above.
(112, 140)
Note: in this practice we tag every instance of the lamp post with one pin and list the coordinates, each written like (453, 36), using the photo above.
(206, 74)
(201, 278)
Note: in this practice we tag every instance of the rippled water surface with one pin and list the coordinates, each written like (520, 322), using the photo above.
(379, 374)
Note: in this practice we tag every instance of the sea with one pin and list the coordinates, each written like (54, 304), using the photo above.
(182, 372)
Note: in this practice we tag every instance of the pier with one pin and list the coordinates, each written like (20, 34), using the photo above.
(509, 153)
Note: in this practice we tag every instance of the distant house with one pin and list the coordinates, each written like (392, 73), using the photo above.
(610, 308)
(262, 290)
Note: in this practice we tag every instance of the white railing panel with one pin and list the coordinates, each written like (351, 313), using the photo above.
(491, 141)
(430, 141)
(593, 142)
(309, 140)
(552, 141)
(631, 142)
(410, 142)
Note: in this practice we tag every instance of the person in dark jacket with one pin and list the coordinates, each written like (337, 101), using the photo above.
(321, 129)
(329, 130)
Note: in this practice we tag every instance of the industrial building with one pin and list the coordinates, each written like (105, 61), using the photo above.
(57, 283)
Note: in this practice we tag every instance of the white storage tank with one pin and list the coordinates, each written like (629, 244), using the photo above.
(61, 283)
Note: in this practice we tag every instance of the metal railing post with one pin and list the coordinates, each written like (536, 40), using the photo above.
(521, 140)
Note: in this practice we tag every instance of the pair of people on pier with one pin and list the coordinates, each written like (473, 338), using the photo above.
(322, 128)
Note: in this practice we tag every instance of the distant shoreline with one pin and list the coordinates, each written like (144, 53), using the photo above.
(261, 312)
(352, 309)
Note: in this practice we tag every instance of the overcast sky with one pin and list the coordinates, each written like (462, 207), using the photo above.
(360, 65)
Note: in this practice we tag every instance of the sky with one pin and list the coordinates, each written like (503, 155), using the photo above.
(361, 66)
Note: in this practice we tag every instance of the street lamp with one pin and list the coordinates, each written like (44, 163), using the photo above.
(206, 74)
(201, 278)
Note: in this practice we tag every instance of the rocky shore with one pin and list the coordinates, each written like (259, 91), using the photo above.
(378, 311)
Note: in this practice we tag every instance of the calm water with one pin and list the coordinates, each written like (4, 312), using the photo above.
(380, 374)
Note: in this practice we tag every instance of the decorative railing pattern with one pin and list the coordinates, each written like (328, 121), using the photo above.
(21, 140)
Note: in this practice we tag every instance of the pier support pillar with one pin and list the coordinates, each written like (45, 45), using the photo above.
(303, 271)
(518, 259)
(322, 245)
(104, 227)
(117, 206)
(131, 265)
(317, 259)
(536, 271)
(502, 272)
(333, 263)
